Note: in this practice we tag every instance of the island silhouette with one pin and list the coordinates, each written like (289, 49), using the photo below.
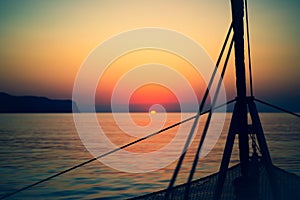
(33, 104)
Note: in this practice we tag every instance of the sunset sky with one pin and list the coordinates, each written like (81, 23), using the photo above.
(44, 43)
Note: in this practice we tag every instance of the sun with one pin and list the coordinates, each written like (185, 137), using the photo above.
(152, 112)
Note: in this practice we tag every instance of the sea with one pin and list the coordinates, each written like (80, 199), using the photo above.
(36, 146)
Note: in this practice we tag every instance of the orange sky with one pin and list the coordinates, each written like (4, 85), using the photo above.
(155, 93)
(43, 43)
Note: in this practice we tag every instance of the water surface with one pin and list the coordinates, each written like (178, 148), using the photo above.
(34, 146)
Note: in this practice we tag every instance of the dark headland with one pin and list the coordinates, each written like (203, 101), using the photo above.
(33, 104)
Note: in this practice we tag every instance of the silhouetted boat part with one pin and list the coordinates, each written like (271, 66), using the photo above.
(252, 178)
(255, 177)
(204, 188)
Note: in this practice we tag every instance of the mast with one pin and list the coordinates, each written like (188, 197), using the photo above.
(239, 122)
(237, 7)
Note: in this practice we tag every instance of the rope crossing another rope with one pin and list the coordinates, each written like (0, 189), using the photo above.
(111, 152)
(136, 141)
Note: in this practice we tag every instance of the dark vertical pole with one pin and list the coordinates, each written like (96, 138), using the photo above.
(226, 155)
(237, 7)
(264, 149)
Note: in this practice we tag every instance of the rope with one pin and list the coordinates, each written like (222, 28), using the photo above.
(188, 141)
(254, 144)
(276, 107)
(249, 54)
(110, 152)
(188, 185)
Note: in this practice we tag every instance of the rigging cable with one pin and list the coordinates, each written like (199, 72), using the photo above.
(190, 178)
(276, 107)
(248, 45)
(110, 152)
(188, 141)
(254, 145)
(250, 67)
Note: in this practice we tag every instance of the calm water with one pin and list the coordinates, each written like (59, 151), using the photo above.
(34, 146)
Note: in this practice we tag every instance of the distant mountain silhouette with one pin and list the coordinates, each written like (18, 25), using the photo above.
(32, 104)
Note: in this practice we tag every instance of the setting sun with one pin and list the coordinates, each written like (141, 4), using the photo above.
(152, 112)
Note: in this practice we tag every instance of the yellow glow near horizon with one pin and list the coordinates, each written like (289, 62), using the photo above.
(152, 112)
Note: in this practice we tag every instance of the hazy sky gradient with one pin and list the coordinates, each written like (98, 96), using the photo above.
(43, 43)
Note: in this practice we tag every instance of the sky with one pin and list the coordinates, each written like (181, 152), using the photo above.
(44, 43)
